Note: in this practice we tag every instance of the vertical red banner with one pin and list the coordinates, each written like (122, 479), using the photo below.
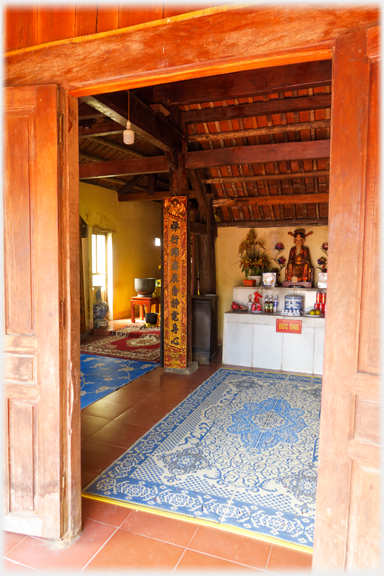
(175, 281)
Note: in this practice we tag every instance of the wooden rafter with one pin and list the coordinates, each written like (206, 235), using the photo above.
(294, 223)
(199, 189)
(241, 84)
(280, 106)
(263, 177)
(257, 154)
(116, 146)
(100, 129)
(154, 164)
(271, 200)
(259, 131)
(149, 126)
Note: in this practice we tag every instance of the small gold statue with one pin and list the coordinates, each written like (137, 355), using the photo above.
(299, 269)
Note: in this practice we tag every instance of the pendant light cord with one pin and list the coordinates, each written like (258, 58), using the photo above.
(128, 104)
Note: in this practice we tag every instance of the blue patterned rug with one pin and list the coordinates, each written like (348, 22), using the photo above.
(101, 375)
(239, 452)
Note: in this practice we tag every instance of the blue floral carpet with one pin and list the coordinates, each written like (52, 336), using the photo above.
(101, 375)
(240, 451)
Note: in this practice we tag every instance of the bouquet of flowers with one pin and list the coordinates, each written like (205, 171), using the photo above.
(280, 260)
(323, 260)
(253, 256)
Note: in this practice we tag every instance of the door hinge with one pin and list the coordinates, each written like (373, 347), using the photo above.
(60, 128)
(62, 313)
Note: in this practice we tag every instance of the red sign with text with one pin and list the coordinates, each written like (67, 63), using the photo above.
(289, 326)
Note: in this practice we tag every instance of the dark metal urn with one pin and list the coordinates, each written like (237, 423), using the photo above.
(145, 286)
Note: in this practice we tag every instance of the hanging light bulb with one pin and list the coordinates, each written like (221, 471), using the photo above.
(128, 134)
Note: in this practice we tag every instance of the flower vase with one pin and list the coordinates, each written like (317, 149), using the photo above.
(100, 309)
(257, 279)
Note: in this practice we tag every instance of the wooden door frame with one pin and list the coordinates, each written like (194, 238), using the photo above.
(125, 59)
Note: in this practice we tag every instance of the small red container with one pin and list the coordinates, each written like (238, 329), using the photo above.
(324, 307)
(323, 297)
(318, 297)
(317, 306)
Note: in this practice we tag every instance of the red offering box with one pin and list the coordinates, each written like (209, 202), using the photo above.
(249, 282)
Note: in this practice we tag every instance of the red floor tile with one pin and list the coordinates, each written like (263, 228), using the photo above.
(118, 433)
(231, 546)
(127, 397)
(107, 408)
(145, 384)
(10, 540)
(96, 457)
(196, 561)
(104, 512)
(142, 415)
(10, 566)
(86, 478)
(128, 551)
(43, 555)
(90, 424)
(160, 527)
(283, 558)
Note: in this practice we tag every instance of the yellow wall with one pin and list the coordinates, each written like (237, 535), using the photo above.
(228, 272)
(136, 224)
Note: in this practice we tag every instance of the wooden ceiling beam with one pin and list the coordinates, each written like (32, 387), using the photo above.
(199, 190)
(288, 223)
(282, 128)
(209, 158)
(116, 146)
(276, 199)
(132, 183)
(100, 129)
(259, 153)
(151, 164)
(264, 177)
(240, 84)
(149, 126)
(141, 196)
(281, 106)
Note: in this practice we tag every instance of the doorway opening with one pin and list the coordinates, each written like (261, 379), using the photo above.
(275, 195)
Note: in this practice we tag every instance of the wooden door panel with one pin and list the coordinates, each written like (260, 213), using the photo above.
(369, 348)
(31, 340)
(347, 527)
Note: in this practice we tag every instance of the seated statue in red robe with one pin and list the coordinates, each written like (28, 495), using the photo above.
(299, 265)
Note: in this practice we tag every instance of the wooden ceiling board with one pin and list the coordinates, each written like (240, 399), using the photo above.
(239, 129)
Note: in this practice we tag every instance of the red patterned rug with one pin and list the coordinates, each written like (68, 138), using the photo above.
(139, 344)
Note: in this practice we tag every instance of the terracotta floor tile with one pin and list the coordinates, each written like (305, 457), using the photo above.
(10, 566)
(168, 395)
(43, 555)
(90, 424)
(160, 527)
(231, 546)
(142, 415)
(192, 560)
(104, 512)
(96, 457)
(126, 397)
(126, 550)
(118, 433)
(143, 383)
(162, 403)
(10, 540)
(106, 408)
(86, 478)
(283, 558)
